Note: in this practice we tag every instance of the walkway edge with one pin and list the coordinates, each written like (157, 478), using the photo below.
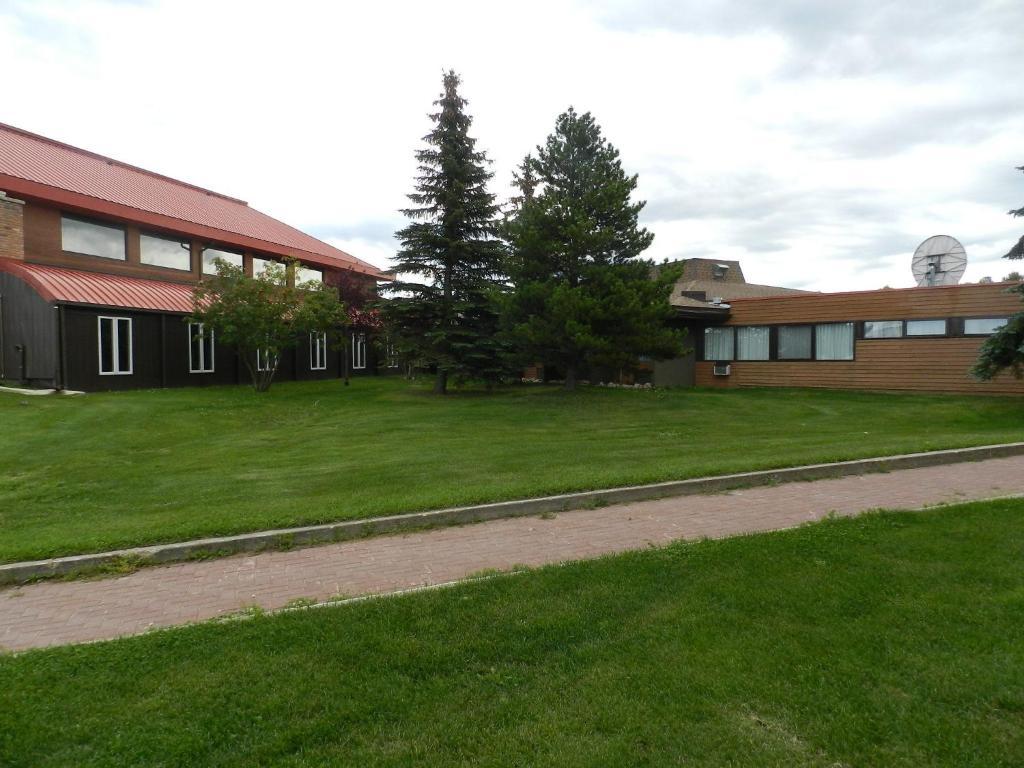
(286, 538)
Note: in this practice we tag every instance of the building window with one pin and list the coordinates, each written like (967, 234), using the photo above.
(115, 346)
(883, 329)
(308, 275)
(983, 326)
(718, 343)
(200, 349)
(318, 351)
(358, 351)
(752, 342)
(833, 341)
(794, 342)
(209, 254)
(165, 252)
(92, 239)
(265, 361)
(390, 355)
(926, 327)
(259, 266)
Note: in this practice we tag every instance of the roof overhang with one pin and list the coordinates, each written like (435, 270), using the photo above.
(710, 312)
(80, 203)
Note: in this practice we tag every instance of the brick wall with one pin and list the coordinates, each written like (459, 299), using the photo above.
(12, 228)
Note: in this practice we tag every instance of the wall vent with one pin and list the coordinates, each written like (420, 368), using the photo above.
(722, 369)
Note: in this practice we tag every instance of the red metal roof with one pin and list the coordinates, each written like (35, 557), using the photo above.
(37, 167)
(72, 286)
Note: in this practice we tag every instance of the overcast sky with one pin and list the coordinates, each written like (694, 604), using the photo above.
(816, 142)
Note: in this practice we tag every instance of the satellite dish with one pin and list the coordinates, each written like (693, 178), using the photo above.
(939, 260)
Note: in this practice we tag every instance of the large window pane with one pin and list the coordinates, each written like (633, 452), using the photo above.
(752, 343)
(983, 326)
(200, 350)
(92, 239)
(834, 341)
(795, 342)
(718, 343)
(883, 329)
(926, 327)
(306, 275)
(259, 266)
(124, 345)
(209, 254)
(106, 345)
(164, 252)
(318, 351)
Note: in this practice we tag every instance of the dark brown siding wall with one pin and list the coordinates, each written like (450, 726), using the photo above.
(42, 229)
(160, 355)
(913, 364)
(175, 359)
(26, 320)
(82, 351)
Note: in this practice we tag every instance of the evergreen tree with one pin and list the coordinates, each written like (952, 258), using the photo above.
(1004, 350)
(582, 296)
(1017, 251)
(449, 317)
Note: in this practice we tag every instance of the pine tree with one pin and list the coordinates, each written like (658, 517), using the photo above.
(448, 318)
(582, 295)
(1004, 349)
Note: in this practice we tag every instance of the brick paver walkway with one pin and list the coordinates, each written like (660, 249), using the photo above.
(50, 613)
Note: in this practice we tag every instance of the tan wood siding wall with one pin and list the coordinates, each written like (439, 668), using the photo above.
(911, 364)
(899, 304)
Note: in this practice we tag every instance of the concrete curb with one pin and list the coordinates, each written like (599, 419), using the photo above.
(286, 538)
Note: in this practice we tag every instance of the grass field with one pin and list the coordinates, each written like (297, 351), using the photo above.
(80, 474)
(885, 640)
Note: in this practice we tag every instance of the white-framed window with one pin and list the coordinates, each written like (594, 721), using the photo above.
(883, 329)
(115, 346)
(318, 351)
(926, 327)
(390, 355)
(92, 238)
(752, 342)
(358, 351)
(165, 252)
(983, 326)
(265, 361)
(200, 349)
(833, 341)
(795, 342)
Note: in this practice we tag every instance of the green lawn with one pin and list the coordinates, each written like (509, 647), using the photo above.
(80, 474)
(885, 640)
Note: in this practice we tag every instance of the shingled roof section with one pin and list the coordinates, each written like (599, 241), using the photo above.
(39, 168)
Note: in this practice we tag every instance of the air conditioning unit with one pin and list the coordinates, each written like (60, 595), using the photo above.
(722, 369)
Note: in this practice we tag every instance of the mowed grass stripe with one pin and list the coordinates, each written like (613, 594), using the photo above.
(116, 470)
(890, 639)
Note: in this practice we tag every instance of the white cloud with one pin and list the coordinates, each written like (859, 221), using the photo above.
(817, 145)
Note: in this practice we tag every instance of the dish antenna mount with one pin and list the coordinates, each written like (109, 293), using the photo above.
(939, 260)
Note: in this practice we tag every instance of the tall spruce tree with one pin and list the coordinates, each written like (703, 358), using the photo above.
(582, 296)
(1004, 349)
(448, 319)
